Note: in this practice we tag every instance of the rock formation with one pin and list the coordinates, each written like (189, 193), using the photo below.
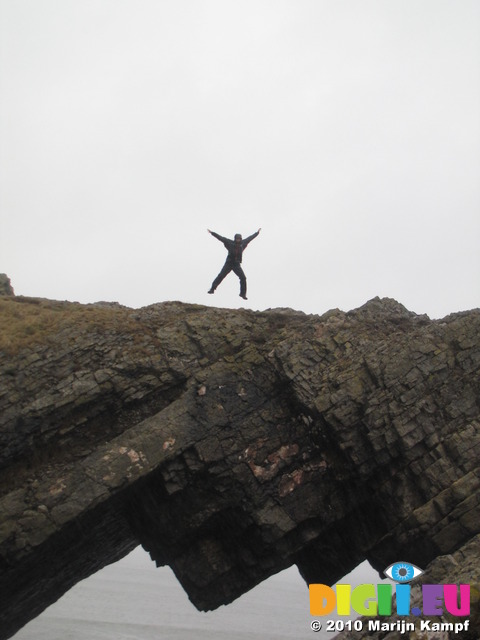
(230, 444)
(5, 285)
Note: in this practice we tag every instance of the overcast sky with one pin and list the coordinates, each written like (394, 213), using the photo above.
(349, 130)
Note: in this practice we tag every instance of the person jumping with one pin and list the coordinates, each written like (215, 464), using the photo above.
(233, 262)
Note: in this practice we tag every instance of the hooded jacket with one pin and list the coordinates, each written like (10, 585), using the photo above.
(235, 249)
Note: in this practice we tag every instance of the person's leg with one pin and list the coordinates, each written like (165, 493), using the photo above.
(227, 267)
(237, 268)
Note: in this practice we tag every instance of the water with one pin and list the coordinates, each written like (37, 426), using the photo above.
(133, 600)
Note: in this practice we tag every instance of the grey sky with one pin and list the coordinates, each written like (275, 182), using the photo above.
(348, 130)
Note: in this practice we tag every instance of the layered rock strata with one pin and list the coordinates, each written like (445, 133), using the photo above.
(230, 444)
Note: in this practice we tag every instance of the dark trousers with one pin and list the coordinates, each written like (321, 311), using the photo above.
(236, 267)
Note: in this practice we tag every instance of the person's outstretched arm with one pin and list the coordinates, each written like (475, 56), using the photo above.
(216, 235)
(250, 238)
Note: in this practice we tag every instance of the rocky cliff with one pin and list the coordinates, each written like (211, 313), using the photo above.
(230, 444)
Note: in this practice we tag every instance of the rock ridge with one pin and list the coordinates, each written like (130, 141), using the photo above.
(230, 444)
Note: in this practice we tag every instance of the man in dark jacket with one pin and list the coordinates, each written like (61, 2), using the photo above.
(234, 260)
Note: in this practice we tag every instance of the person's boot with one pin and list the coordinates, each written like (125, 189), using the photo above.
(211, 291)
(243, 295)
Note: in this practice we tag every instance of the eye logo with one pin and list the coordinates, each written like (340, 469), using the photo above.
(402, 572)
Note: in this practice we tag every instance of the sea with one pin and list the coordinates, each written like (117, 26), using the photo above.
(134, 600)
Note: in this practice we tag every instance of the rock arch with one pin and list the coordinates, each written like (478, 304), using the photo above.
(230, 444)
